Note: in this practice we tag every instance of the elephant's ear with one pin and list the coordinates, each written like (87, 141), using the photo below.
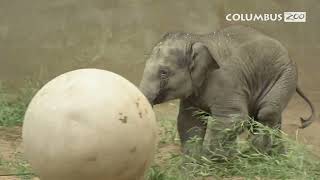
(201, 60)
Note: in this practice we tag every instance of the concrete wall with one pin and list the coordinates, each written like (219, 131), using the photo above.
(42, 39)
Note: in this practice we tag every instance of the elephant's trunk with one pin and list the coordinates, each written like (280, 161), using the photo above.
(150, 90)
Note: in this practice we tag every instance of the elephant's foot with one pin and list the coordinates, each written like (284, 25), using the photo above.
(221, 145)
(267, 144)
(192, 148)
(220, 140)
(220, 152)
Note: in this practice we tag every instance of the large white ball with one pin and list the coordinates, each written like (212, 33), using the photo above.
(89, 124)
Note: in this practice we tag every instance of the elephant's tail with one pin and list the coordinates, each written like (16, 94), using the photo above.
(306, 122)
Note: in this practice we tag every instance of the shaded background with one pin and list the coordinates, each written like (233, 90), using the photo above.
(42, 39)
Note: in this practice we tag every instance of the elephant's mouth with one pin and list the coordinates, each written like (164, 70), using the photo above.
(159, 98)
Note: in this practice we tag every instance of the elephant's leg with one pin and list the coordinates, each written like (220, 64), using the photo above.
(190, 128)
(263, 140)
(221, 135)
(270, 111)
(223, 130)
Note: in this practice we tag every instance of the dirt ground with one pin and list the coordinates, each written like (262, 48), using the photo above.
(297, 108)
(10, 144)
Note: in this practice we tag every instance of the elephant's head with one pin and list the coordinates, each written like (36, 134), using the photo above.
(176, 68)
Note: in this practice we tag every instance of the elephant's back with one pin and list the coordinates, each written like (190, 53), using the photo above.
(251, 53)
(240, 45)
(239, 34)
(255, 58)
(251, 45)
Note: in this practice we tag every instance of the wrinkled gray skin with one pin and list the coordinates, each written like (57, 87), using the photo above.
(235, 71)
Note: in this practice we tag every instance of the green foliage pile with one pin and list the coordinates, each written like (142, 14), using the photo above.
(13, 106)
(248, 163)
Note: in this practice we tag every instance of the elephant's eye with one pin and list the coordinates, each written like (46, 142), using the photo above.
(163, 74)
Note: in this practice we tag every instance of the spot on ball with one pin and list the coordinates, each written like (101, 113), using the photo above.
(124, 119)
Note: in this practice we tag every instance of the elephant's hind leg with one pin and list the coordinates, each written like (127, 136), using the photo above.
(270, 110)
(263, 139)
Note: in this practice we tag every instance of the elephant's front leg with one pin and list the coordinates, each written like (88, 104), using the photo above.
(221, 135)
(191, 129)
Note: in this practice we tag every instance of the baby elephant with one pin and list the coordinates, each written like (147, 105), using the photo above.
(235, 71)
